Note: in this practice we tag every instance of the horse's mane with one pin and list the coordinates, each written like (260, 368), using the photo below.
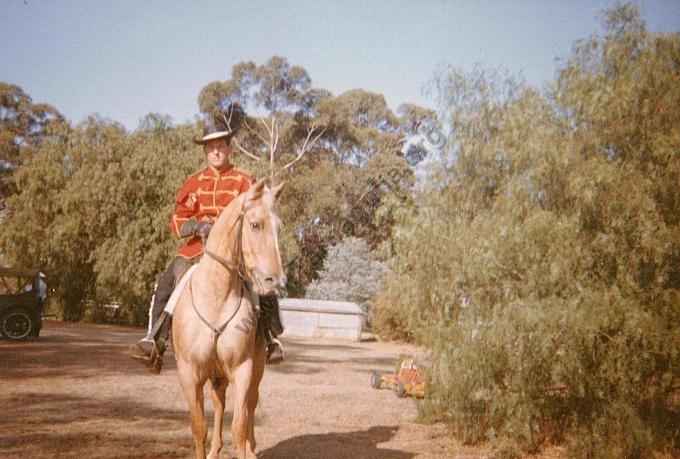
(224, 229)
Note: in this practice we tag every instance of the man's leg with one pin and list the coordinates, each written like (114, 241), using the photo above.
(150, 349)
(272, 327)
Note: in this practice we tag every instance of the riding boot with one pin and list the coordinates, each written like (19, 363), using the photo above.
(275, 351)
(271, 324)
(160, 341)
(149, 350)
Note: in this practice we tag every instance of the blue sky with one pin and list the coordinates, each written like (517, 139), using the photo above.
(123, 59)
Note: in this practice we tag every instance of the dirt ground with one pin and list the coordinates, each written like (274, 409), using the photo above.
(75, 393)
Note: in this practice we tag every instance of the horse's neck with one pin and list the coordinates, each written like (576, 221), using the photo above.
(222, 242)
(222, 238)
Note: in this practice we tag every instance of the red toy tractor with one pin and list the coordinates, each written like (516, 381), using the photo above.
(406, 379)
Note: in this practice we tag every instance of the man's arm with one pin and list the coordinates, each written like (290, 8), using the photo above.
(185, 207)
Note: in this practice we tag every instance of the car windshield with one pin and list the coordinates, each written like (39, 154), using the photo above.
(16, 280)
(11, 285)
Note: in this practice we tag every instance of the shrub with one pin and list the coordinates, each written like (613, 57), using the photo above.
(541, 267)
(351, 272)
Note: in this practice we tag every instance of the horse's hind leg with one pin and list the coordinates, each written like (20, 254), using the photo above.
(193, 390)
(218, 397)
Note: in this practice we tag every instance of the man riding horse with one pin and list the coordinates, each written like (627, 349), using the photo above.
(199, 202)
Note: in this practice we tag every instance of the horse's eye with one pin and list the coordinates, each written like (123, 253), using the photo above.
(255, 225)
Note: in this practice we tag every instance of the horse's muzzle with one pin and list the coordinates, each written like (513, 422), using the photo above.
(269, 284)
(273, 282)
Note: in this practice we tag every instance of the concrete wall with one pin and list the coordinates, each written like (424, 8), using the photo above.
(332, 319)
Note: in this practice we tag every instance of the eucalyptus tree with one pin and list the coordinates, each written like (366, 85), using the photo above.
(280, 92)
(331, 149)
(23, 126)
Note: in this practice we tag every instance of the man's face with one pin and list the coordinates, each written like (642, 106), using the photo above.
(217, 152)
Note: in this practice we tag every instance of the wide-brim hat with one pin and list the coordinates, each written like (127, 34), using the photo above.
(215, 130)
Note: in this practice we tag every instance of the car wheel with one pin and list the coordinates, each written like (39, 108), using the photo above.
(400, 389)
(376, 379)
(16, 324)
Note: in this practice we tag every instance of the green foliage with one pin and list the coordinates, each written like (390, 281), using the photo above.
(92, 212)
(160, 159)
(90, 204)
(351, 272)
(541, 267)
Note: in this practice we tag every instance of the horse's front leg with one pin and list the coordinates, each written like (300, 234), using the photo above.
(218, 397)
(254, 392)
(193, 390)
(241, 422)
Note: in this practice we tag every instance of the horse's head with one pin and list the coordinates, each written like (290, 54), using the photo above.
(260, 238)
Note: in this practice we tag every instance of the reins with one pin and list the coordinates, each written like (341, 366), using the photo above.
(240, 268)
(245, 281)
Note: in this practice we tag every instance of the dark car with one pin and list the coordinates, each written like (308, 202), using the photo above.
(22, 300)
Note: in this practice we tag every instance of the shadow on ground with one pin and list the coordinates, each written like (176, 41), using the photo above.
(359, 444)
(91, 352)
(61, 425)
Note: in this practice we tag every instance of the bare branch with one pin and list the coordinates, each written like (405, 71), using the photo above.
(307, 144)
(246, 152)
(275, 128)
(226, 121)
(254, 131)
(273, 140)
(264, 123)
(309, 134)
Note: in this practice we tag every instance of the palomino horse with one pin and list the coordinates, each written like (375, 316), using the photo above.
(215, 334)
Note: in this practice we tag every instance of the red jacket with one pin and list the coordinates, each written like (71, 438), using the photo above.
(203, 196)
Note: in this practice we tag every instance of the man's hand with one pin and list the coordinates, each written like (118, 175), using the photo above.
(188, 228)
(203, 229)
(193, 228)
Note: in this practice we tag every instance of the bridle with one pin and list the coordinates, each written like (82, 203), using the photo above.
(240, 268)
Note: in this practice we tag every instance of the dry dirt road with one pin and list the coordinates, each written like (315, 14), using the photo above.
(75, 393)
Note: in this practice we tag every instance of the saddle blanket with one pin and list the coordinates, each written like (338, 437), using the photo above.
(181, 283)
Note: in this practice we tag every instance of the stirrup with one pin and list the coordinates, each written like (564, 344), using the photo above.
(156, 365)
(156, 357)
(142, 350)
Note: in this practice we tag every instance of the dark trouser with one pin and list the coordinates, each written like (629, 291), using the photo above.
(164, 288)
(269, 305)
(269, 309)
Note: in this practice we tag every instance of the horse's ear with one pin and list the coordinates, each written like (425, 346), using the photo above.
(276, 191)
(256, 190)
